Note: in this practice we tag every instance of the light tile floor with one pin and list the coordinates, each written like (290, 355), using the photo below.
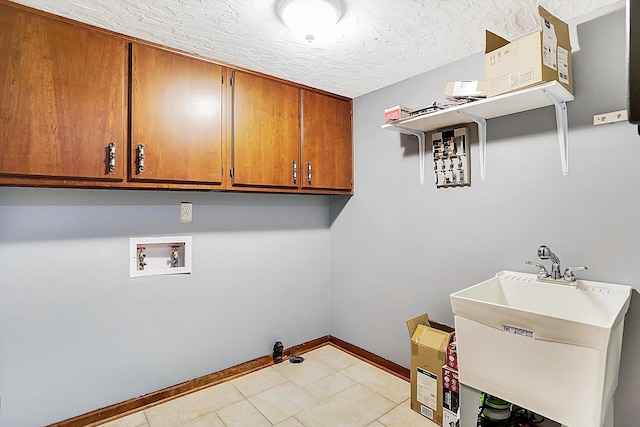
(330, 388)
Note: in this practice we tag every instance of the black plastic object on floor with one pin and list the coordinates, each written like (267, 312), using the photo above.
(296, 359)
(278, 348)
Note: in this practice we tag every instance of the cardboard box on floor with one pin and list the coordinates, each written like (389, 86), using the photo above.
(450, 419)
(450, 389)
(543, 56)
(429, 342)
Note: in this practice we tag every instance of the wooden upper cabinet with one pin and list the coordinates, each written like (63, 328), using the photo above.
(326, 142)
(176, 117)
(62, 91)
(266, 132)
(80, 106)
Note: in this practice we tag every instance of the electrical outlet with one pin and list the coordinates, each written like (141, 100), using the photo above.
(615, 116)
(186, 211)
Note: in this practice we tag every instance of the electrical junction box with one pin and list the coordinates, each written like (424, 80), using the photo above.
(451, 163)
(153, 256)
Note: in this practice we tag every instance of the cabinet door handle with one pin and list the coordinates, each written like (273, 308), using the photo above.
(111, 161)
(308, 172)
(294, 171)
(140, 158)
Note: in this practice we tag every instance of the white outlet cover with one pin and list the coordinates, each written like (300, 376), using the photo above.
(186, 211)
(158, 255)
(612, 117)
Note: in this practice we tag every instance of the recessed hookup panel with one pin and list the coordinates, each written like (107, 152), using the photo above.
(154, 256)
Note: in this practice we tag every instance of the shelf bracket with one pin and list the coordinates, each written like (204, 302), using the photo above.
(421, 146)
(482, 140)
(562, 123)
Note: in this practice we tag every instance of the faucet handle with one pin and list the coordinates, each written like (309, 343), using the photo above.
(568, 272)
(542, 271)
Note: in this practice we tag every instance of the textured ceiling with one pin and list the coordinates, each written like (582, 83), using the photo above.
(375, 44)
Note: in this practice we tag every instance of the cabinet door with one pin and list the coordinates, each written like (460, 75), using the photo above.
(326, 142)
(266, 131)
(63, 93)
(176, 117)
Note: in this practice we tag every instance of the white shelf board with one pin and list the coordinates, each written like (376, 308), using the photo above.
(531, 98)
(502, 105)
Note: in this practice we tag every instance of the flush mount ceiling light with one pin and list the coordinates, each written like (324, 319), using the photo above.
(309, 17)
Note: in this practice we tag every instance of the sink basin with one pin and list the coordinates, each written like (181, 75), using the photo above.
(551, 348)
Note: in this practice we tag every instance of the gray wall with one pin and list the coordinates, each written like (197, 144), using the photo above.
(76, 334)
(399, 249)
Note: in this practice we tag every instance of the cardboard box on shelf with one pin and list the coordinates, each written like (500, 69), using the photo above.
(536, 58)
(466, 89)
(429, 342)
(396, 113)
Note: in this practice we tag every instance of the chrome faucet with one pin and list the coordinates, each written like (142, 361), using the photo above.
(545, 253)
(542, 271)
(555, 276)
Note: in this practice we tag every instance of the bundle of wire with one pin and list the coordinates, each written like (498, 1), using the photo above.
(495, 412)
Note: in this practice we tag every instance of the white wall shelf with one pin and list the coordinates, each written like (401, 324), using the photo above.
(552, 93)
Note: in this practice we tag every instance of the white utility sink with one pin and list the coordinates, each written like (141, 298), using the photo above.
(551, 348)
